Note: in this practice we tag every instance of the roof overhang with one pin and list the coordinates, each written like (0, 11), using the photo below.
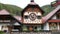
(48, 16)
(54, 20)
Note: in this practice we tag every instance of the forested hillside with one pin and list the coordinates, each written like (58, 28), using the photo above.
(47, 9)
(14, 10)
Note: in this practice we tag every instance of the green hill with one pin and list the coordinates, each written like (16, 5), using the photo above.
(47, 9)
(14, 10)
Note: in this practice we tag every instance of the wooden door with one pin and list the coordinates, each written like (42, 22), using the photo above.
(30, 28)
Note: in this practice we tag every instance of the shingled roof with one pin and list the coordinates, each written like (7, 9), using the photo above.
(48, 16)
(18, 18)
(4, 12)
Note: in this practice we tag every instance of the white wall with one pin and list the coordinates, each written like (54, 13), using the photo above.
(3, 25)
(0, 27)
(54, 17)
(46, 26)
(35, 21)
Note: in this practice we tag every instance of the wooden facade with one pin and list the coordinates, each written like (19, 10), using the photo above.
(31, 17)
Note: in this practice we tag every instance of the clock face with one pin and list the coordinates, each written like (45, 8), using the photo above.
(32, 16)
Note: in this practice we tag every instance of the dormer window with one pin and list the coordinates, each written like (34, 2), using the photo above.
(26, 16)
(38, 17)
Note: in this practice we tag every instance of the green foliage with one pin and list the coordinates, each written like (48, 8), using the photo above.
(1, 32)
(47, 9)
(14, 10)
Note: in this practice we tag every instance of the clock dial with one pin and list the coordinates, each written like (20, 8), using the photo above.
(32, 16)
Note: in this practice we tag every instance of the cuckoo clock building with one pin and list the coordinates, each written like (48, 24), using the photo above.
(31, 16)
(31, 19)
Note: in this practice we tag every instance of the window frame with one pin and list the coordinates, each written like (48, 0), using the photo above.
(26, 16)
(39, 17)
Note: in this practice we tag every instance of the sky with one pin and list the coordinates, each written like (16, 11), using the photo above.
(24, 3)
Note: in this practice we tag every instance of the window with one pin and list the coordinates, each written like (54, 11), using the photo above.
(26, 16)
(35, 28)
(53, 26)
(38, 17)
(24, 28)
(38, 28)
(58, 16)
